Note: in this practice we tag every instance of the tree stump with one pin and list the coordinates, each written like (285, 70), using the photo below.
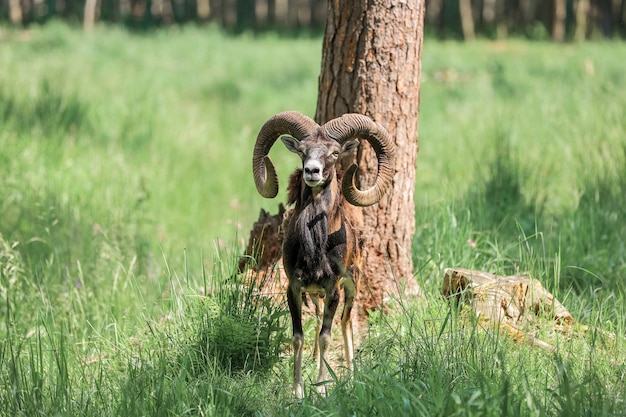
(265, 242)
(505, 302)
(260, 262)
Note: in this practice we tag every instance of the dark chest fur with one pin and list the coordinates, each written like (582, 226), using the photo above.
(318, 246)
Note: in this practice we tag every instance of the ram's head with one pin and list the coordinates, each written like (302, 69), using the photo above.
(320, 147)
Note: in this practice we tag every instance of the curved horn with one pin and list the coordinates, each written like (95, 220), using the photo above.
(286, 123)
(357, 125)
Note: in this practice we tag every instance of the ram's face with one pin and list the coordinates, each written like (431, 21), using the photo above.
(318, 158)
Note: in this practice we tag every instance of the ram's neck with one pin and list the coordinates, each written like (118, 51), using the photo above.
(324, 197)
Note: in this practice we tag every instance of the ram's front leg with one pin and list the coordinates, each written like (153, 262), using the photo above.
(294, 300)
(346, 322)
(330, 307)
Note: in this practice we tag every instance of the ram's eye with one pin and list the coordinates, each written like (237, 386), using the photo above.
(335, 154)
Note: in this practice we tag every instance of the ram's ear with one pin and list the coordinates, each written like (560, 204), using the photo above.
(349, 146)
(291, 143)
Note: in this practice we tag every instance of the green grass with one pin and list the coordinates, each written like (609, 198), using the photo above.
(126, 196)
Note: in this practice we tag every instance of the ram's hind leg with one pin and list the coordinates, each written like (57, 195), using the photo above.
(294, 300)
(346, 322)
(330, 307)
(316, 299)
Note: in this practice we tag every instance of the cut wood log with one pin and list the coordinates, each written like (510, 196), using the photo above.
(505, 302)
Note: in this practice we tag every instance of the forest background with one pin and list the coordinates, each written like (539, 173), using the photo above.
(457, 19)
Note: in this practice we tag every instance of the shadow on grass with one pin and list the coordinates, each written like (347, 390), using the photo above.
(506, 224)
(50, 111)
(593, 236)
(498, 203)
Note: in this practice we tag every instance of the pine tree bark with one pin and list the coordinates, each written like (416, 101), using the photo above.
(371, 65)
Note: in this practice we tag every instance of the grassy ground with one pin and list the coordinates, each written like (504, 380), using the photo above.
(125, 193)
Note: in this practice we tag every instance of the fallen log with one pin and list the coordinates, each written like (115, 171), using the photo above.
(505, 302)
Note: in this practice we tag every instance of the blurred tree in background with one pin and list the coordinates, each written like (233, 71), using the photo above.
(450, 19)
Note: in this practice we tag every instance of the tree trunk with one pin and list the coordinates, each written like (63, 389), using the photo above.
(467, 19)
(489, 11)
(261, 9)
(371, 65)
(582, 9)
(558, 30)
(501, 19)
(89, 14)
(15, 11)
(203, 9)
